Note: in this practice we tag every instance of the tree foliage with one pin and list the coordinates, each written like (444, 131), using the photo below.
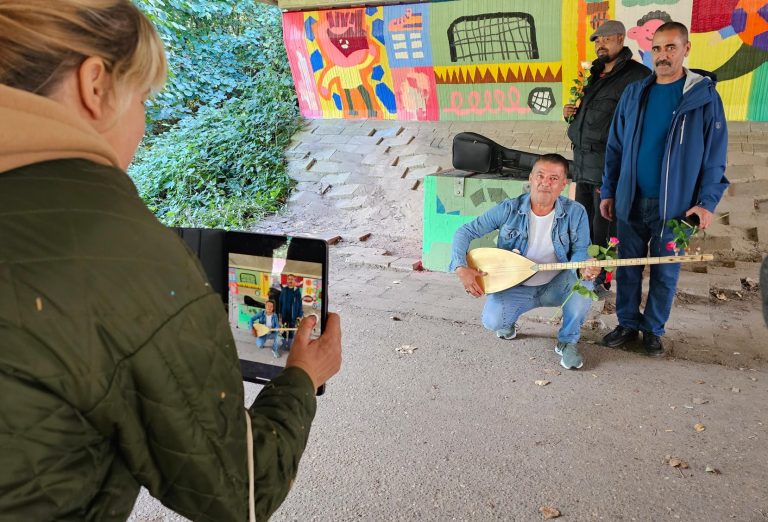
(214, 156)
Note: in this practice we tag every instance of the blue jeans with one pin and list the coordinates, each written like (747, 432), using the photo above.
(643, 230)
(261, 341)
(503, 308)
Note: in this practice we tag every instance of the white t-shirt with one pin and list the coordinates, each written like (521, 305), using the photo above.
(540, 247)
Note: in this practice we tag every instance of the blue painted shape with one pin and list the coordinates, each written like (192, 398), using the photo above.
(387, 97)
(408, 37)
(761, 41)
(309, 30)
(454, 213)
(378, 30)
(337, 101)
(370, 11)
(377, 73)
(763, 12)
(739, 20)
(440, 209)
(317, 61)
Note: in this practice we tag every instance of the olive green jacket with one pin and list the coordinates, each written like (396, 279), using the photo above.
(117, 364)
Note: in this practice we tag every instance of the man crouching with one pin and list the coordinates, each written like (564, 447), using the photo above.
(546, 228)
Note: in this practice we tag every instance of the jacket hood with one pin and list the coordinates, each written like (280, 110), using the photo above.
(34, 129)
(699, 88)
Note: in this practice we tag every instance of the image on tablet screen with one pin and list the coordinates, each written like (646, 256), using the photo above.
(268, 297)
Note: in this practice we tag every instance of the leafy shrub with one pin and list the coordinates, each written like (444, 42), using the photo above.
(223, 167)
(214, 156)
(215, 48)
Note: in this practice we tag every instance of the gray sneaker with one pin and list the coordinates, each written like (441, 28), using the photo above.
(507, 334)
(570, 358)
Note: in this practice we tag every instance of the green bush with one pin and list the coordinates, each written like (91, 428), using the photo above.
(223, 167)
(214, 155)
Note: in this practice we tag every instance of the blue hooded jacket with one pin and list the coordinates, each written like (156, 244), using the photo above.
(693, 165)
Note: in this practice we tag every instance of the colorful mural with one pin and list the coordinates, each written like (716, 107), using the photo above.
(505, 60)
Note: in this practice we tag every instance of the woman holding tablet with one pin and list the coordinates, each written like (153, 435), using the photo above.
(118, 368)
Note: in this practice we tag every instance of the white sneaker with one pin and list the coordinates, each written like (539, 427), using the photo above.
(507, 334)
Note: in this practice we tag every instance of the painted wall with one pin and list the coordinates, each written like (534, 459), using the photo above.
(472, 60)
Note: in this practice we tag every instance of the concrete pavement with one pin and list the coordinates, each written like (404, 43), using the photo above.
(458, 429)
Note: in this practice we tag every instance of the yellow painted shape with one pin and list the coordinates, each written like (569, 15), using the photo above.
(569, 23)
(348, 78)
(708, 52)
(496, 68)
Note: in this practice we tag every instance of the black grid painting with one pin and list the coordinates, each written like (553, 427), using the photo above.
(493, 36)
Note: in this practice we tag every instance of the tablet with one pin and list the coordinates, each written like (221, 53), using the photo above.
(272, 283)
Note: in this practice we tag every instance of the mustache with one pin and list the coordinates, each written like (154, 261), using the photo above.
(663, 62)
(602, 49)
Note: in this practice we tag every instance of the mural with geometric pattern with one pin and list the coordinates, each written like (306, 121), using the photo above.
(467, 60)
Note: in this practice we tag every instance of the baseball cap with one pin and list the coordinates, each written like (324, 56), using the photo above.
(609, 27)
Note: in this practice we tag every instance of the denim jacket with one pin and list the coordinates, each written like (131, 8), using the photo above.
(570, 230)
(261, 317)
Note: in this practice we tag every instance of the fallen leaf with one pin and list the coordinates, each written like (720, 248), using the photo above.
(549, 512)
(699, 400)
(699, 382)
(364, 237)
(735, 390)
(550, 371)
(699, 427)
(395, 318)
(531, 358)
(721, 296)
(677, 462)
(541, 383)
(406, 348)
(710, 469)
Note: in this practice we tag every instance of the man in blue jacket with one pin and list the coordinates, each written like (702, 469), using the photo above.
(546, 228)
(665, 159)
(291, 308)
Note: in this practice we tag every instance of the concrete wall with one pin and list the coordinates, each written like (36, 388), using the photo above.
(479, 60)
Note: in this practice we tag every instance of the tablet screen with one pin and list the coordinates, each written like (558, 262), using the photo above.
(273, 282)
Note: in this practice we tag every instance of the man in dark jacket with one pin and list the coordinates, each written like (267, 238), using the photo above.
(665, 159)
(610, 74)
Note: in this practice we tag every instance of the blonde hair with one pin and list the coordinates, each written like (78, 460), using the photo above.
(42, 40)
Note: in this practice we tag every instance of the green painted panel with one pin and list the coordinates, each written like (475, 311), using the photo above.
(758, 98)
(543, 34)
(499, 101)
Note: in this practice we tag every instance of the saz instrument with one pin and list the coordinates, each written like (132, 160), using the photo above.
(261, 329)
(505, 269)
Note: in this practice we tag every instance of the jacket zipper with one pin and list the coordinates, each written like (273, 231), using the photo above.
(682, 130)
(666, 174)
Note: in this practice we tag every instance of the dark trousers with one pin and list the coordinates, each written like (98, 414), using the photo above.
(642, 235)
(600, 229)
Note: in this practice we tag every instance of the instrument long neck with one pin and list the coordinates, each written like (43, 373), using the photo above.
(623, 262)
